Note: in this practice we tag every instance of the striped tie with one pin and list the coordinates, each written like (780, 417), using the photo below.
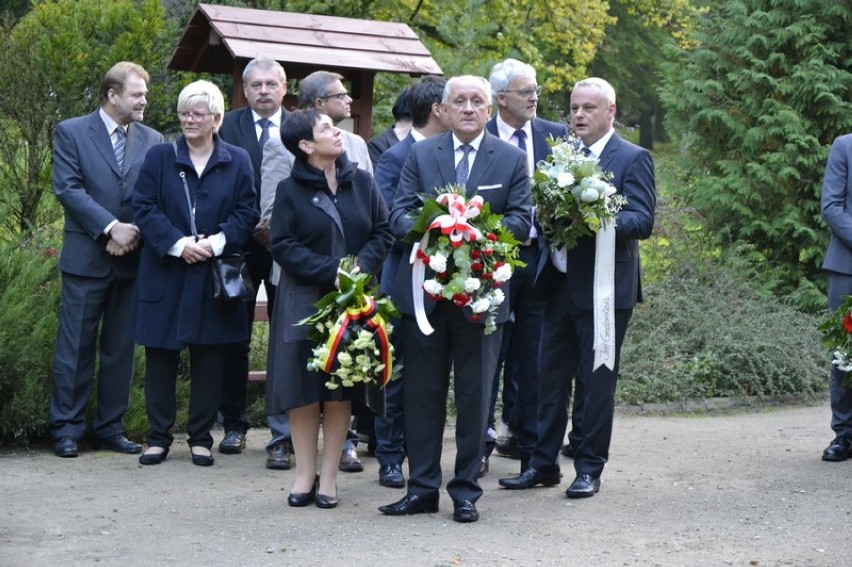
(120, 142)
(463, 168)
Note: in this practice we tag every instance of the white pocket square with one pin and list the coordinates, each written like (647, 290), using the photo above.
(489, 187)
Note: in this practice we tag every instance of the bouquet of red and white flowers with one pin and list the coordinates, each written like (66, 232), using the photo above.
(467, 252)
(352, 330)
(836, 331)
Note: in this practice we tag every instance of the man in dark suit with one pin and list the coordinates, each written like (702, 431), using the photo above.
(836, 201)
(568, 335)
(429, 119)
(497, 171)
(395, 133)
(264, 86)
(96, 160)
(515, 95)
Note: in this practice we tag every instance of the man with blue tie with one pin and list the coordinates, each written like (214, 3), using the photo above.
(96, 160)
(569, 331)
(264, 86)
(515, 96)
(497, 171)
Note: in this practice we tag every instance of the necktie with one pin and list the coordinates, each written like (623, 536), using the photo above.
(264, 123)
(120, 142)
(586, 151)
(463, 168)
(522, 139)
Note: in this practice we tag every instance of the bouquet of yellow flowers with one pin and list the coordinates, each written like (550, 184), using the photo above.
(572, 195)
(352, 330)
(468, 254)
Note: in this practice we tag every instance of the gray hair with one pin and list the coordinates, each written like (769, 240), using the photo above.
(266, 64)
(315, 86)
(505, 72)
(605, 89)
(202, 91)
(486, 87)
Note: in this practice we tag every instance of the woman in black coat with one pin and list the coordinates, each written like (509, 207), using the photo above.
(194, 200)
(327, 209)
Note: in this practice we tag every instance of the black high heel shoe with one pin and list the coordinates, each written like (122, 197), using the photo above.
(300, 499)
(327, 502)
(201, 460)
(153, 458)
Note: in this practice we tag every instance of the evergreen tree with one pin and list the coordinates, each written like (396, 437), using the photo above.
(757, 105)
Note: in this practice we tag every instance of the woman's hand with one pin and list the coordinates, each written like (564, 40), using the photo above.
(199, 250)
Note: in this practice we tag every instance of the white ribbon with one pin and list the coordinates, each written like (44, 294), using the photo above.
(418, 276)
(560, 259)
(604, 297)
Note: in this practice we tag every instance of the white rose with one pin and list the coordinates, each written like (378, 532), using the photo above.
(589, 195)
(471, 284)
(565, 179)
(432, 287)
(503, 273)
(438, 262)
(497, 297)
(480, 305)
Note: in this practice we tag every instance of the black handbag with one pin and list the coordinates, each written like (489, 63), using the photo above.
(231, 279)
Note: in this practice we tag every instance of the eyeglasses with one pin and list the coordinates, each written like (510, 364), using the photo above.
(339, 96)
(197, 116)
(527, 93)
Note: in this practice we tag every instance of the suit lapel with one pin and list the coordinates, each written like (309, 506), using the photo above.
(134, 142)
(445, 159)
(102, 142)
(540, 146)
(483, 161)
(249, 133)
(609, 152)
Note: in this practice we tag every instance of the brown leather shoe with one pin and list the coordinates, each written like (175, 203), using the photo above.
(279, 457)
(349, 462)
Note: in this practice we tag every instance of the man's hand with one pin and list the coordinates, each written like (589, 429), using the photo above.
(115, 249)
(197, 251)
(125, 235)
(261, 234)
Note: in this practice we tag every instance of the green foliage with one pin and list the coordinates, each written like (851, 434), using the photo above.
(756, 106)
(29, 299)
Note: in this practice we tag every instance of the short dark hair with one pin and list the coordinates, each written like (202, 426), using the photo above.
(400, 108)
(116, 77)
(422, 96)
(299, 126)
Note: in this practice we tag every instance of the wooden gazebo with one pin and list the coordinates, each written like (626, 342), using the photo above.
(222, 39)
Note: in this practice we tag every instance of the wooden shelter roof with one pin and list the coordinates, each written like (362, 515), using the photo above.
(217, 36)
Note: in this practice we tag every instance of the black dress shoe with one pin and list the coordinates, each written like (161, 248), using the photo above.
(153, 458)
(201, 460)
(838, 450)
(65, 447)
(301, 499)
(464, 511)
(391, 476)
(483, 467)
(568, 450)
(327, 502)
(349, 462)
(529, 478)
(233, 443)
(279, 457)
(508, 447)
(584, 485)
(411, 504)
(119, 444)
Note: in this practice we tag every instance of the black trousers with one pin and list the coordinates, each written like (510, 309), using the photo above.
(205, 370)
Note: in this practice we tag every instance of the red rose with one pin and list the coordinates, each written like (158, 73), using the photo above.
(488, 251)
(492, 237)
(461, 299)
(475, 254)
(476, 266)
(847, 322)
(486, 276)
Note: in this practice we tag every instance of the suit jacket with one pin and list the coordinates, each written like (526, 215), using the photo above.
(633, 177)
(836, 203)
(238, 128)
(93, 192)
(541, 131)
(499, 174)
(378, 145)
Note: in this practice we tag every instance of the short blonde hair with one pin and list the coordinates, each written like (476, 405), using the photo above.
(202, 91)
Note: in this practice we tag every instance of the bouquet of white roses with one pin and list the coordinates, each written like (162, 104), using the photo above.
(572, 195)
(352, 330)
(467, 252)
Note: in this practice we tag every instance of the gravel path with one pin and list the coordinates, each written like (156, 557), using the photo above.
(742, 489)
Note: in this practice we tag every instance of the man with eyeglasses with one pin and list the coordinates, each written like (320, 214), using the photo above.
(264, 86)
(470, 156)
(96, 160)
(323, 90)
(515, 96)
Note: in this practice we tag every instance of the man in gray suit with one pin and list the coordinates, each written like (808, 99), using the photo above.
(836, 201)
(96, 159)
(497, 171)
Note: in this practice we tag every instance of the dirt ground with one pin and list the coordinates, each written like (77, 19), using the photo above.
(741, 489)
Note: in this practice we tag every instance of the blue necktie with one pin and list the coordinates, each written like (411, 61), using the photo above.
(463, 168)
(586, 151)
(264, 124)
(522, 139)
(120, 142)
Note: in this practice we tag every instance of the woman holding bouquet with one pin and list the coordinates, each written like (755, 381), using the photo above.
(325, 211)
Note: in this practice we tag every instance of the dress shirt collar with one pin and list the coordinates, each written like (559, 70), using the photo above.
(418, 137)
(507, 132)
(475, 142)
(598, 147)
(109, 123)
(275, 118)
